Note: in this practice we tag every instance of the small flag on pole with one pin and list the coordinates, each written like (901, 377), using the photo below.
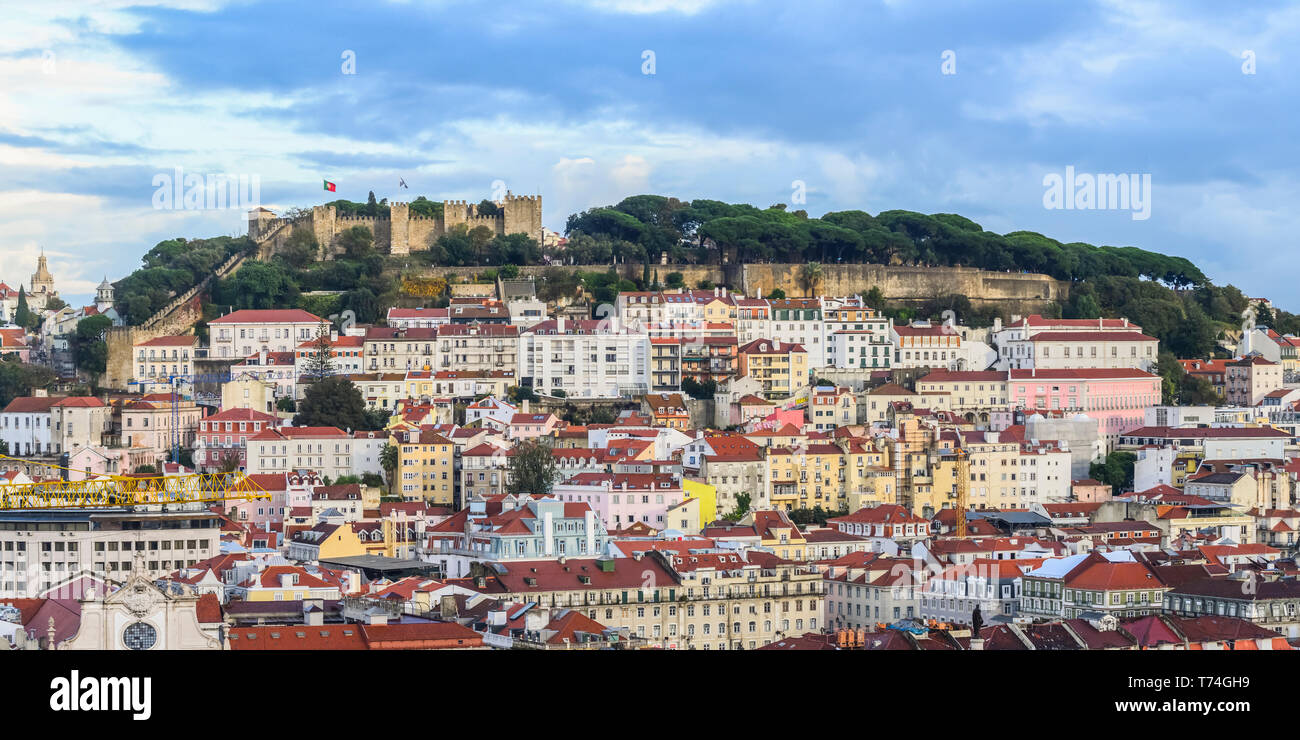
(329, 186)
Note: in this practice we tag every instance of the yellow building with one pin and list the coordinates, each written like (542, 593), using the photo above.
(285, 583)
(248, 392)
(325, 541)
(707, 496)
(380, 390)
(806, 477)
(684, 516)
(832, 476)
(425, 466)
(777, 533)
(781, 367)
(994, 465)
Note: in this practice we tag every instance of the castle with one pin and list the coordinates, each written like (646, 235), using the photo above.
(398, 231)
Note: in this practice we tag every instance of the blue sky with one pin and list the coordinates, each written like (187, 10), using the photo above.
(747, 97)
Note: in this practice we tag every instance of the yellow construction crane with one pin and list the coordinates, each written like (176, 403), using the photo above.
(126, 490)
(963, 489)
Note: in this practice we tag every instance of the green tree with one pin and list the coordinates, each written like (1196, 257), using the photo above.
(742, 508)
(532, 469)
(332, 402)
(89, 349)
(320, 363)
(357, 242)
(810, 276)
(363, 303)
(674, 281)
(1116, 470)
(776, 295)
(260, 285)
(699, 391)
(20, 379)
(388, 461)
(300, 249)
(22, 314)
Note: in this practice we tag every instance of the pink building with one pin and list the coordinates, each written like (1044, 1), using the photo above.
(1115, 397)
(288, 490)
(622, 499)
(1089, 491)
(531, 426)
(224, 433)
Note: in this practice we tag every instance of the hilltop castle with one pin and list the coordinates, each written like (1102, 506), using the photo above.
(398, 231)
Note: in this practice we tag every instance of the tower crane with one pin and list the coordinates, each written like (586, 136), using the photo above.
(963, 487)
(113, 491)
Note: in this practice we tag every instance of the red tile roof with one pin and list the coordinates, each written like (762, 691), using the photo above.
(271, 316)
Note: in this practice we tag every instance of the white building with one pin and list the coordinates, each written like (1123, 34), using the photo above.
(923, 344)
(160, 358)
(1044, 472)
(245, 333)
(25, 425)
(366, 447)
(424, 318)
(325, 450)
(1036, 342)
(585, 359)
(800, 321)
(856, 336)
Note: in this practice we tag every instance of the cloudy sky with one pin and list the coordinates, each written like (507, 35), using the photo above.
(934, 106)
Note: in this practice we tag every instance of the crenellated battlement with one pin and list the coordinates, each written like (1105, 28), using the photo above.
(396, 230)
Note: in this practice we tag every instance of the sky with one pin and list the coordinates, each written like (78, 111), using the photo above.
(935, 106)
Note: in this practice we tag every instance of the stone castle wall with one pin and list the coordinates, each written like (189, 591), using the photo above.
(176, 318)
(397, 232)
(1018, 292)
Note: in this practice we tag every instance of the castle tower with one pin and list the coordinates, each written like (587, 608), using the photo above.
(258, 218)
(523, 215)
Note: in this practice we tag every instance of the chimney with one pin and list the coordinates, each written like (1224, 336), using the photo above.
(447, 608)
(313, 612)
(525, 406)
(559, 325)
(261, 356)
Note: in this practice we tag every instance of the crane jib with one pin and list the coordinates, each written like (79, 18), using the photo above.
(118, 491)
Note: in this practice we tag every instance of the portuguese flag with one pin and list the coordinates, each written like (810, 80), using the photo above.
(329, 186)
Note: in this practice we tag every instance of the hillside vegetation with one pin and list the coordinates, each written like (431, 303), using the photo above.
(1168, 296)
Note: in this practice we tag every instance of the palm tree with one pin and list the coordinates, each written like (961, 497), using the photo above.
(811, 276)
(388, 460)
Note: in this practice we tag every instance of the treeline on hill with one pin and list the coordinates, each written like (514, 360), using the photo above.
(649, 224)
(354, 280)
(171, 268)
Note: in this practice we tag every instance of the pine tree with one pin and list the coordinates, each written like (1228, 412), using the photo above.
(319, 363)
